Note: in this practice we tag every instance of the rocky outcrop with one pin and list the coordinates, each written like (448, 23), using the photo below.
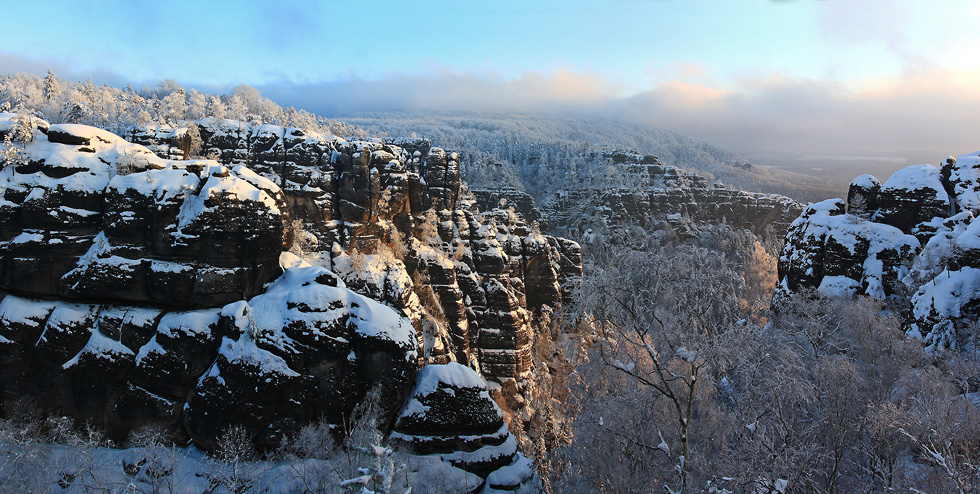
(487, 279)
(505, 198)
(913, 196)
(450, 414)
(862, 196)
(659, 194)
(911, 240)
(308, 348)
(836, 252)
(137, 289)
(89, 217)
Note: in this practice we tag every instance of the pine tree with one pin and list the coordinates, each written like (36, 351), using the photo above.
(51, 88)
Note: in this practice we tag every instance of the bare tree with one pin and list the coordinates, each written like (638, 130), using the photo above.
(656, 313)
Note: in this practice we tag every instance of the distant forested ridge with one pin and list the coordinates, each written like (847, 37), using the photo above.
(532, 153)
(116, 110)
(540, 154)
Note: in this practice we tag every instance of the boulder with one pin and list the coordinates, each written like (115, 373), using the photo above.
(862, 196)
(449, 413)
(825, 242)
(911, 196)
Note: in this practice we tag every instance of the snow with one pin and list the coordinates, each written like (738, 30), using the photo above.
(169, 267)
(101, 347)
(152, 347)
(941, 247)
(281, 305)
(484, 454)
(384, 277)
(32, 313)
(289, 260)
(255, 179)
(970, 238)
(937, 303)
(193, 323)
(966, 178)
(79, 212)
(917, 177)
(372, 318)
(130, 315)
(434, 377)
(516, 473)
(824, 222)
(28, 236)
(94, 134)
(160, 185)
(188, 470)
(244, 351)
(452, 374)
(223, 183)
(65, 317)
(838, 286)
(91, 171)
(153, 177)
(7, 121)
(867, 181)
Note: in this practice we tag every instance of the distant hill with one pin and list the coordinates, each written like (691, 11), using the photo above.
(534, 153)
(523, 143)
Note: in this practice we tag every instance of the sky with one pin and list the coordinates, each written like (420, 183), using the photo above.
(888, 77)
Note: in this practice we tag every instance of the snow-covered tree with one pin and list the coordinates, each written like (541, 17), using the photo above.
(51, 87)
(196, 105)
(215, 108)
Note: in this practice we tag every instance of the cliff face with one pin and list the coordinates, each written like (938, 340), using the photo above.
(387, 192)
(912, 240)
(658, 193)
(139, 289)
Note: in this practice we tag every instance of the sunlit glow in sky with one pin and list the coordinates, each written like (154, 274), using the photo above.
(703, 57)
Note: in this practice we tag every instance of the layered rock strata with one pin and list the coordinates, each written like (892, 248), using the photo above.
(661, 194)
(85, 215)
(450, 415)
(307, 349)
(138, 290)
(506, 198)
(912, 240)
(364, 194)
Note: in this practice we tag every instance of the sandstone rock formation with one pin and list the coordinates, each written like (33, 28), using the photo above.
(450, 414)
(654, 193)
(139, 289)
(505, 198)
(912, 240)
(88, 216)
(828, 249)
(363, 194)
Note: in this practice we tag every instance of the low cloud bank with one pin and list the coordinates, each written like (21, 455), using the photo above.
(923, 114)
(926, 112)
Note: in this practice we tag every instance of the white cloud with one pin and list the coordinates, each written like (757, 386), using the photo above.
(925, 112)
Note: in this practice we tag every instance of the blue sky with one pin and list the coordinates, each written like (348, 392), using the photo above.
(700, 65)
